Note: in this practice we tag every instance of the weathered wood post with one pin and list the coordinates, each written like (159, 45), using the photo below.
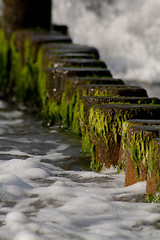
(26, 14)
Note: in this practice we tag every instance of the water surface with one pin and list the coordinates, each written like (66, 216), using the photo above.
(48, 192)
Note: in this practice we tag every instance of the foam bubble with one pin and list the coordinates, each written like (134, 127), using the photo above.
(25, 169)
(16, 217)
(11, 179)
(27, 235)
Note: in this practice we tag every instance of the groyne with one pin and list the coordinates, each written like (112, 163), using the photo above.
(67, 84)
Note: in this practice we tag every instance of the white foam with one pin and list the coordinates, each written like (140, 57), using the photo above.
(11, 179)
(16, 217)
(12, 188)
(26, 228)
(23, 168)
(27, 235)
(126, 33)
(15, 152)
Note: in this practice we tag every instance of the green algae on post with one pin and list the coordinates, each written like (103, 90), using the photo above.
(153, 175)
(4, 61)
(138, 142)
(96, 166)
(23, 76)
(105, 124)
(125, 128)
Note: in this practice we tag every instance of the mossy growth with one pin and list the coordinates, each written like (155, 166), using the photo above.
(62, 112)
(4, 60)
(125, 128)
(86, 145)
(69, 104)
(96, 166)
(107, 124)
(76, 109)
(142, 153)
(153, 157)
(50, 109)
(153, 199)
(16, 77)
(70, 111)
(78, 120)
(138, 149)
(102, 123)
(86, 128)
(40, 80)
(71, 108)
(85, 132)
(28, 79)
(50, 113)
(23, 77)
(28, 83)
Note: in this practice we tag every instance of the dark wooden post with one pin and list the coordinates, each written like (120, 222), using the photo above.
(26, 14)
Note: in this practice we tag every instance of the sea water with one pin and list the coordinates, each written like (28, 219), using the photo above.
(47, 190)
(126, 33)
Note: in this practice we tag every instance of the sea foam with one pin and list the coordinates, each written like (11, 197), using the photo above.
(126, 33)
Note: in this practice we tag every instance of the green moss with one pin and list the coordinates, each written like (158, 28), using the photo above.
(125, 128)
(29, 81)
(120, 169)
(99, 126)
(78, 122)
(108, 127)
(51, 113)
(4, 61)
(75, 121)
(85, 132)
(139, 147)
(153, 157)
(64, 110)
(23, 76)
(41, 79)
(102, 124)
(72, 111)
(97, 76)
(16, 65)
(86, 142)
(144, 151)
(153, 199)
(96, 166)
(153, 167)
(134, 152)
(17, 77)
